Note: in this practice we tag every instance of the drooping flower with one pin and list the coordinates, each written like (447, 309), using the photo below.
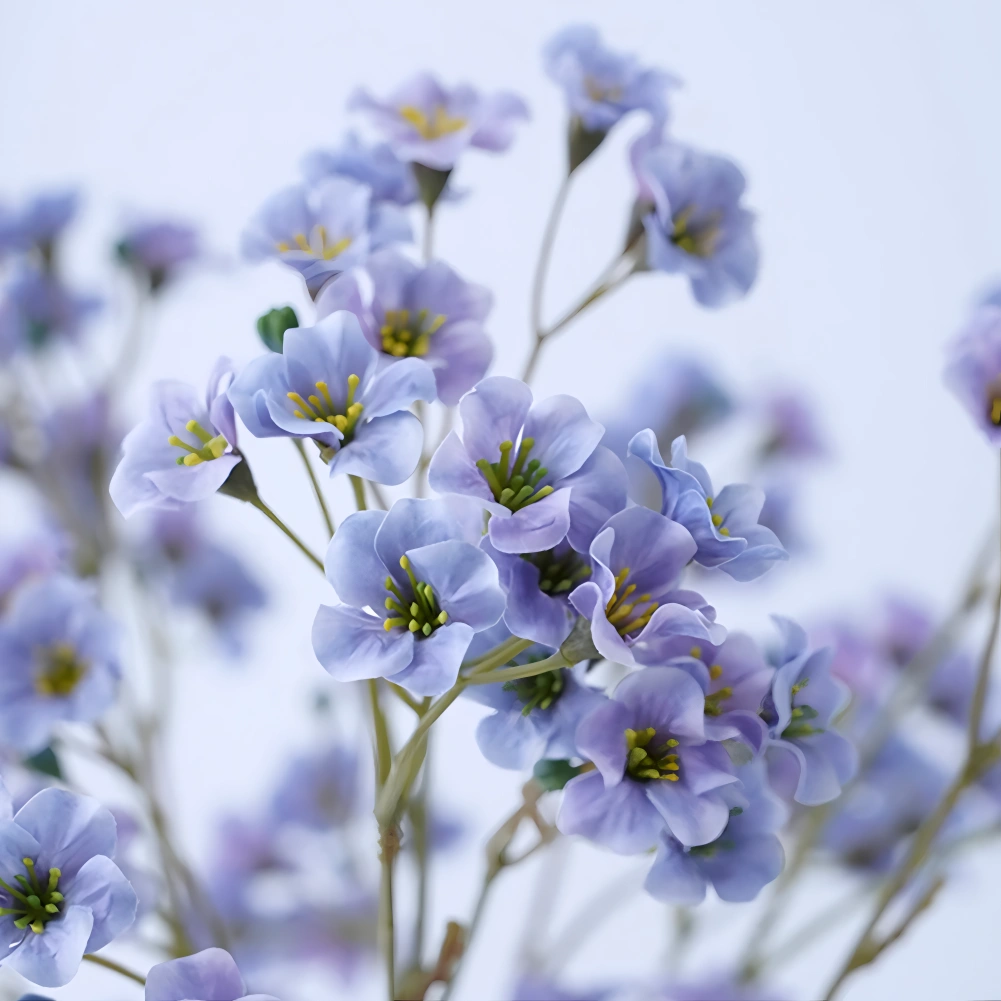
(811, 760)
(375, 165)
(973, 371)
(61, 893)
(533, 718)
(415, 589)
(37, 310)
(210, 975)
(601, 86)
(183, 451)
(410, 311)
(158, 250)
(698, 226)
(328, 384)
(526, 463)
(429, 124)
(791, 429)
(724, 525)
(654, 767)
(321, 231)
(637, 613)
(744, 859)
(319, 790)
(60, 661)
(39, 223)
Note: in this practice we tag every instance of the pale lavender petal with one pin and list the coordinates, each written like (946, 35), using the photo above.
(620, 818)
(353, 645)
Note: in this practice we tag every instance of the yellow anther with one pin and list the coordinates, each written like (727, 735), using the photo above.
(709, 501)
(717, 520)
(996, 411)
(353, 381)
(340, 422)
(439, 123)
(283, 247)
(191, 459)
(724, 531)
(315, 402)
(671, 777)
(297, 399)
(302, 243)
(336, 249)
(695, 652)
(715, 671)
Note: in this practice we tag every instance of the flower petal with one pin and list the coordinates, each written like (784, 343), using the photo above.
(352, 645)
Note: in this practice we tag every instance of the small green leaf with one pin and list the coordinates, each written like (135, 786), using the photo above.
(272, 326)
(45, 762)
(554, 773)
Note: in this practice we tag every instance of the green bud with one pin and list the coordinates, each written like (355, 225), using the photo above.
(553, 773)
(46, 762)
(272, 326)
(582, 142)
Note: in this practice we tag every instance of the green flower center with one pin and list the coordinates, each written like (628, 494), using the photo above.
(34, 905)
(539, 692)
(315, 244)
(422, 616)
(408, 334)
(559, 573)
(646, 762)
(320, 407)
(61, 670)
(696, 238)
(209, 446)
(515, 485)
(623, 611)
(799, 725)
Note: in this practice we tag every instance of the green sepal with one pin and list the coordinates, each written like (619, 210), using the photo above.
(430, 183)
(582, 142)
(272, 325)
(554, 773)
(240, 483)
(45, 762)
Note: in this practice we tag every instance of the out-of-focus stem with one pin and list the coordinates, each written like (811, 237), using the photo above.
(110, 964)
(317, 492)
(303, 548)
(389, 842)
(358, 486)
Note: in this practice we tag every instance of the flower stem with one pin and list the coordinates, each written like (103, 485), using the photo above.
(110, 964)
(264, 509)
(311, 473)
(427, 245)
(485, 676)
(546, 253)
(358, 485)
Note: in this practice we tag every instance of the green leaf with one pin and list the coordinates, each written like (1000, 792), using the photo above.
(272, 326)
(45, 762)
(554, 773)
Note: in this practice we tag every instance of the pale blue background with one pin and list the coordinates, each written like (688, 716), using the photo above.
(869, 133)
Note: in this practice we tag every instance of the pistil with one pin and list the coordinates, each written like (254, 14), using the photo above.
(421, 616)
(321, 408)
(409, 335)
(515, 486)
(35, 903)
(212, 446)
(623, 613)
(645, 762)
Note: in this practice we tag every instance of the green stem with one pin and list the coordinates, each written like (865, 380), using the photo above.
(358, 485)
(546, 254)
(383, 748)
(311, 473)
(427, 245)
(264, 509)
(110, 964)
(388, 842)
(485, 676)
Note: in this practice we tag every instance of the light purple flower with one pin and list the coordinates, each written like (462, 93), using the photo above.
(62, 895)
(654, 767)
(791, 429)
(376, 166)
(415, 589)
(322, 231)
(158, 249)
(37, 310)
(428, 312)
(60, 661)
(529, 464)
(638, 615)
(738, 864)
(329, 384)
(320, 790)
(183, 451)
(602, 86)
(210, 975)
(429, 124)
(811, 760)
(27, 558)
(698, 226)
(973, 371)
(40, 222)
(724, 525)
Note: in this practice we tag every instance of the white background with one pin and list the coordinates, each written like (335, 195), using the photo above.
(869, 133)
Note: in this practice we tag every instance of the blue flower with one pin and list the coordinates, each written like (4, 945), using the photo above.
(429, 124)
(428, 312)
(533, 718)
(321, 231)
(376, 166)
(811, 761)
(320, 790)
(37, 310)
(329, 384)
(698, 226)
(738, 864)
(724, 525)
(40, 222)
(183, 451)
(603, 86)
(637, 613)
(974, 369)
(158, 249)
(791, 432)
(61, 894)
(655, 770)
(60, 661)
(525, 462)
(415, 589)
(211, 975)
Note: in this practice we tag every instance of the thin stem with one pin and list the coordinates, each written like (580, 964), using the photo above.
(419, 806)
(486, 676)
(318, 493)
(387, 941)
(110, 964)
(427, 244)
(388, 842)
(264, 509)
(358, 485)
(546, 254)
(383, 748)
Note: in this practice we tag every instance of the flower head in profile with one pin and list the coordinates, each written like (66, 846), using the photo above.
(321, 231)
(637, 612)
(61, 894)
(158, 250)
(210, 975)
(427, 123)
(738, 864)
(724, 525)
(60, 661)
(319, 790)
(698, 226)
(654, 768)
(809, 760)
(183, 451)
(38, 310)
(792, 432)
(410, 311)
(374, 165)
(973, 371)
(415, 587)
(39, 223)
(526, 463)
(329, 384)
